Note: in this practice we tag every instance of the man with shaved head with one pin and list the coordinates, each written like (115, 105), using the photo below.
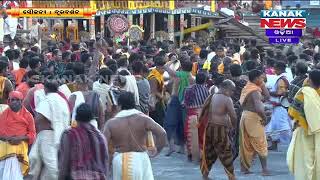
(222, 118)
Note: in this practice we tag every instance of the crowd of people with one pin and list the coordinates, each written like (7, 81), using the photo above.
(99, 110)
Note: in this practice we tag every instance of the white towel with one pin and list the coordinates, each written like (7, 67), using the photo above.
(131, 86)
(56, 110)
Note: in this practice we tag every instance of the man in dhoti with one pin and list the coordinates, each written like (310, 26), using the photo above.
(303, 154)
(279, 127)
(83, 152)
(52, 119)
(16, 133)
(129, 136)
(252, 135)
(195, 96)
(222, 118)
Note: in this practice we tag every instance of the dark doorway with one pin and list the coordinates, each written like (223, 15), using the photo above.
(146, 26)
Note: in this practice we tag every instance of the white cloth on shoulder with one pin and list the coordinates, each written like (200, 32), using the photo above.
(40, 95)
(131, 86)
(125, 113)
(56, 110)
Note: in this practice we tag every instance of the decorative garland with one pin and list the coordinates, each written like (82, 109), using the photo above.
(118, 23)
(135, 33)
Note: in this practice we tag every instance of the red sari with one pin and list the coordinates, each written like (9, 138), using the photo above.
(192, 116)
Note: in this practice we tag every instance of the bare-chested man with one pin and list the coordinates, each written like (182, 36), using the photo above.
(222, 118)
(127, 134)
(252, 132)
(5, 84)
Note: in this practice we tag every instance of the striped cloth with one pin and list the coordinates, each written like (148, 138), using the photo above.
(195, 96)
(87, 153)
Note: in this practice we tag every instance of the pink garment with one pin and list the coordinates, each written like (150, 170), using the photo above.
(270, 71)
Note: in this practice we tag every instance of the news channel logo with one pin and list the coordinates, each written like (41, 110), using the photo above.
(283, 26)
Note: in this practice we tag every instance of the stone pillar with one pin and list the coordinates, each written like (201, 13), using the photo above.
(76, 33)
(92, 29)
(193, 24)
(29, 23)
(152, 25)
(102, 25)
(171, 21)
(171, 27)
(25, 23)
(130, 19)
(181, 28)
(141, 21)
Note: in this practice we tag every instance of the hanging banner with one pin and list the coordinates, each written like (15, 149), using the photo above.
(155, 10)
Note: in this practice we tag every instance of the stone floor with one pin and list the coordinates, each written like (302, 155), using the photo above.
(176, 167)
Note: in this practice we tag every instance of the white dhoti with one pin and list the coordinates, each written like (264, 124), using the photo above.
(43, 157)
(131, 166)
(10, 169)
(280, 126)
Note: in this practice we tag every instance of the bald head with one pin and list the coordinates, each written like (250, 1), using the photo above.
(228, 85)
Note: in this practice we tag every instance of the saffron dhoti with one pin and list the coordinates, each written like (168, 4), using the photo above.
(252, 138)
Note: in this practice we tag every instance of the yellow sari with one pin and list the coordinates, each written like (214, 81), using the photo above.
(21, 151)
(303, 156)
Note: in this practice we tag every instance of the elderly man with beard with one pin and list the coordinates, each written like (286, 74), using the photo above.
(16, 133)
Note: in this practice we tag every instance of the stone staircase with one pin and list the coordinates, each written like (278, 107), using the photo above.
(254, 23)
(19, 34)
(235, 29)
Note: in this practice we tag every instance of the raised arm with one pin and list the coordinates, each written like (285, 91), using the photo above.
(94, 68)
(171, 72)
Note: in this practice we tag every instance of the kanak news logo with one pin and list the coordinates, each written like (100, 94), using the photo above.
(283, 26)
